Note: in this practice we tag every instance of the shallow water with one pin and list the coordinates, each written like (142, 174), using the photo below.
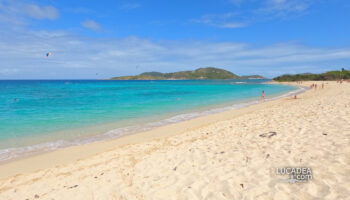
(60, 112)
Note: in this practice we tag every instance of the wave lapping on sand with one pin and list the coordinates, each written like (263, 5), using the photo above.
(228, 159)
(18, 152)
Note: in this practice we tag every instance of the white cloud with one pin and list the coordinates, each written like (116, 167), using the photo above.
(91, 24)
(130, 6)
(258, 11)
(285, 8)
(230, 25)
(6, 71)
(75, 57)
(286, 5)
(16, 13)
(263, 10)
(44, 12)
(220, 21)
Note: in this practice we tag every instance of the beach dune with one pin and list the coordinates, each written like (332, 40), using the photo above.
(231, 155)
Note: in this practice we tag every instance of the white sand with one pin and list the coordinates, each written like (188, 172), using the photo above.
(220, 159)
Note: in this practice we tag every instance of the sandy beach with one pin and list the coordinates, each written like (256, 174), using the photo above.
(230, 155)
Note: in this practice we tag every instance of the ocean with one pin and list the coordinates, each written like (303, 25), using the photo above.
(42, 115)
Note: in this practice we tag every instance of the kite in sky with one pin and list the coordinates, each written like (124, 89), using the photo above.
(48, 54)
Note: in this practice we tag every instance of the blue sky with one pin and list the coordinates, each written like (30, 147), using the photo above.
(101, 39)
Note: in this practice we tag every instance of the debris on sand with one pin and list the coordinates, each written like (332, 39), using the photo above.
(269, 134)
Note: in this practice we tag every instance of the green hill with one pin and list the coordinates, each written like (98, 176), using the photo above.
(331, 75)
(201, 73)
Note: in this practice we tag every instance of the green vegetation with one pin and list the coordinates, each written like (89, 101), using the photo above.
(327, 76)
(201, 73)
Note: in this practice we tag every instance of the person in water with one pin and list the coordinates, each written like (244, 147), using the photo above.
(263, 95)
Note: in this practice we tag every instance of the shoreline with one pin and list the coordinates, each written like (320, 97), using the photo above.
(110, 131)
(229, 155)
(87, 149)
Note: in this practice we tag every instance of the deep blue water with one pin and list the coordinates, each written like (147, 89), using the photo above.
(34, 108)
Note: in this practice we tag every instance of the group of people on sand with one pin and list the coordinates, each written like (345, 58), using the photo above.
(314, 85)
(342, 80)
(263, 95)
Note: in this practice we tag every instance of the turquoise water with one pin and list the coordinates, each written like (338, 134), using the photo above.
(37, 109)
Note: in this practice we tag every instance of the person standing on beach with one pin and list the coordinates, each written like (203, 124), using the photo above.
(263, 95)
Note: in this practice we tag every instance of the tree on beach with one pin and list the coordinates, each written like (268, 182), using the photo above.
(327, 76)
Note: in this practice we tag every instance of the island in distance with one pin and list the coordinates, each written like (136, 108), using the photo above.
(200, 73)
